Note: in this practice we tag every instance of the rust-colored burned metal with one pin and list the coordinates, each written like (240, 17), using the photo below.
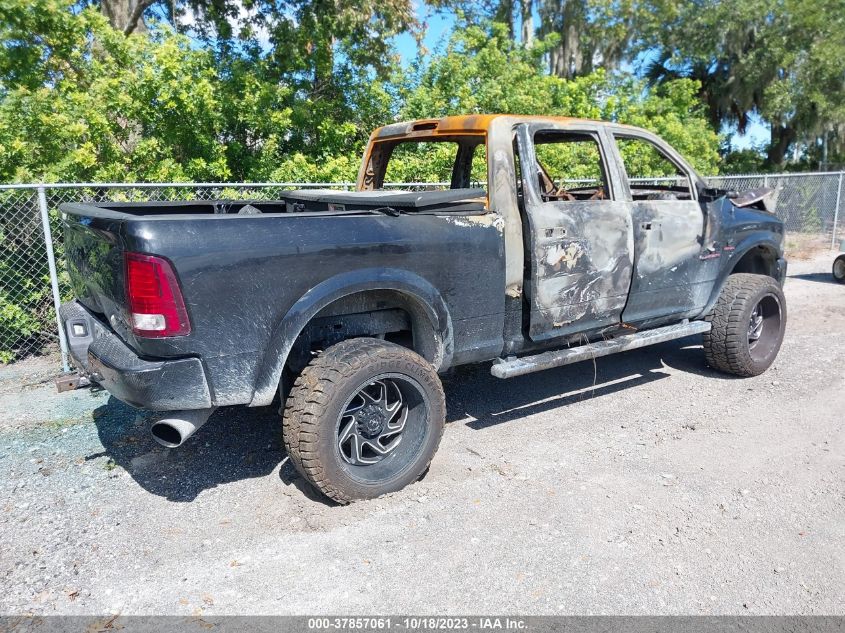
(460, 125)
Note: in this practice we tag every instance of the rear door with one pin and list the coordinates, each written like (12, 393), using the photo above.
(669, 276)
(578, 230)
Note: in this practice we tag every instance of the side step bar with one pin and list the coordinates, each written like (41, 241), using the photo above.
(556, 358)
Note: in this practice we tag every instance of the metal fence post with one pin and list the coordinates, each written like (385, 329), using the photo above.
(836, 211)
(54, 279)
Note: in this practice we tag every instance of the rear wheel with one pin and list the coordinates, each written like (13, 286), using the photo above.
(839, 269)
(363, 419)
(747, 325)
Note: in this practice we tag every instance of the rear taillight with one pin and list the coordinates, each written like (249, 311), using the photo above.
(156, 308)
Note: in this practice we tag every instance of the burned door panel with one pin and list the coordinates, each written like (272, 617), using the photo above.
(669, 275)
(583, 266)
(580, 265)
(671, 279)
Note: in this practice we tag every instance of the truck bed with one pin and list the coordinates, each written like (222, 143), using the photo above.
(243, 274)
(320, 201)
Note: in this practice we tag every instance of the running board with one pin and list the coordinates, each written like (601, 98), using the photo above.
(557, 358)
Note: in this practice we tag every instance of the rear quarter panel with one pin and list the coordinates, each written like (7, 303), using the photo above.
(240, 276)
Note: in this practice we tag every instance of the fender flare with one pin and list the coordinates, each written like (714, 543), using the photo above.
(414, 287)
(742, 249)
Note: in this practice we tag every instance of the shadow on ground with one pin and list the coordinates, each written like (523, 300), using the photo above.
(473, 392)
(826, 278)
(241, 443)
(236, 443)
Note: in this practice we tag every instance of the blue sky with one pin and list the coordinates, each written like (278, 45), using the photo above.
(756, 134)
(438, 27)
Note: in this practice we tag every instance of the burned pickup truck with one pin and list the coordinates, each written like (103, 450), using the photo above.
(531, 242)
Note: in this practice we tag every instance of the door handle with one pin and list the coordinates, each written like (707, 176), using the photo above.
(645, 226)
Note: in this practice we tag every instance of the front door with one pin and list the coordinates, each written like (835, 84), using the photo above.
(670, 279)
(578, 233)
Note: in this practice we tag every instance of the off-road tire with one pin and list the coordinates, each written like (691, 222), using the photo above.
(838, 269)
(727, 346)
(316, 402)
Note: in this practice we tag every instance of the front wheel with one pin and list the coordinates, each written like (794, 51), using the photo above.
(363, 419)
(839, 269)
(747, 325)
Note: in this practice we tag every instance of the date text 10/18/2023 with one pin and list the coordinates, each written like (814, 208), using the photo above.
(417, 623)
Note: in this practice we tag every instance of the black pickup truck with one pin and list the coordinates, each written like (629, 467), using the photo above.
(541, 241)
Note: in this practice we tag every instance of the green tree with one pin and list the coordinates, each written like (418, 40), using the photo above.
(781, 59)
(592, 34)
(582, 35)
(485, 70)
(108, 107)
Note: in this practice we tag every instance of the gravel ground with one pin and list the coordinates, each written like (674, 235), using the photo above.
(645, 484)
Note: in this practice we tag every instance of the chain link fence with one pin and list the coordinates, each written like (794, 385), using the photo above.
(33, 280)
(30, 222)
(26, 300)
(807, 203)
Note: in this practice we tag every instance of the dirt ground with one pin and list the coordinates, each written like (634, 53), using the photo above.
(644, 484)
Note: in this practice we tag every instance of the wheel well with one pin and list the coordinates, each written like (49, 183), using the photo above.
(760, 260)
(390, 315)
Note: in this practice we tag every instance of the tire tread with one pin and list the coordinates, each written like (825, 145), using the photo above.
(303, 419)
(725, 345)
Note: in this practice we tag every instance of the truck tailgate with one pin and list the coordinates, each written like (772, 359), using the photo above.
(94, 256)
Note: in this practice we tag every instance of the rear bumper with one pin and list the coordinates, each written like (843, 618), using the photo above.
(158, 385)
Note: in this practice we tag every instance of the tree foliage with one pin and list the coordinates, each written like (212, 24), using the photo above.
(780, 61)
(111, 107)
(226, 89)
(80, 101)
(486, 71)
(582, 35)
(783, 60)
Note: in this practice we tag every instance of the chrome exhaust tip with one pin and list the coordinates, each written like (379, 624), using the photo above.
(175, 429)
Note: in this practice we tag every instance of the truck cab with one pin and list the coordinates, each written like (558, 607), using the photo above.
(605, 226)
